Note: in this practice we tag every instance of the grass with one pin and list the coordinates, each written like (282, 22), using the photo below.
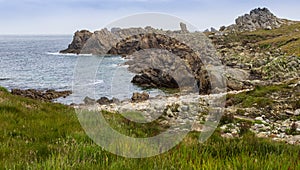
(287, 38)
(2, 89)
(40, 135)
(259, 97)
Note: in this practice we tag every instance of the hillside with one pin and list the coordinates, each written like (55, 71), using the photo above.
(260, 127)
(41, 135)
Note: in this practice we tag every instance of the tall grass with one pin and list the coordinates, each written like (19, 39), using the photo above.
(39, 135)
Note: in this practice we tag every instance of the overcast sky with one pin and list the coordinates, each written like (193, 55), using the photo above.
(67, 16)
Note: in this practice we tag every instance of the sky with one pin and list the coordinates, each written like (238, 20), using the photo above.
(66, 16)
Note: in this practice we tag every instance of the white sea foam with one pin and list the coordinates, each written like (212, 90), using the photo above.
(68, 54)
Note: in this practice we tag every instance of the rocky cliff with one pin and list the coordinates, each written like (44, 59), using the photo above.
(259, 18)
(79, 40)
(192, 49)
(251, 50)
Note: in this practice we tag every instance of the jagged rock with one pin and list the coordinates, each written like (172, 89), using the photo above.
(212, 29)
(183, 28)
(259, 18)
(79, 40)
(182, 51)
(222, 28)
(114, 30)
(89, 101)
(104, 101)
(154, 78)
(47, 95)
(206, 31)
(139, 97)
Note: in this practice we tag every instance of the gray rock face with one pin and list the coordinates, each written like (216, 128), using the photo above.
(259, 18)
(193, 49)
(183, 28)
(154, 78)
(79, 40)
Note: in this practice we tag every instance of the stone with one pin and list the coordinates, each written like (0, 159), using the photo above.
(48, 95)
(212, 29)
(297, 112)
(259, 118)
(227, 135)
(104, 101)
(222, 28)
(263, 134)
(294, 140)
(79, 40)
(89, 101)
(268, 28)
(289, 112)
(139, 97)
(115, 29)
(154, 78)
(183, 28)
(184, 108)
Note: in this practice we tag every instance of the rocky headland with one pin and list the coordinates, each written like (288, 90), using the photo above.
(260, 54)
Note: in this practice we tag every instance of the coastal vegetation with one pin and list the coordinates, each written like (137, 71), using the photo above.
(43, 135)
(260, 127)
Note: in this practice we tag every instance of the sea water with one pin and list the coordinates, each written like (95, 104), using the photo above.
(33, 62)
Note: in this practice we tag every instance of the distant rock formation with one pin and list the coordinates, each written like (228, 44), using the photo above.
(191, 48)
(79, 40)
(259, 18)
(153, 77)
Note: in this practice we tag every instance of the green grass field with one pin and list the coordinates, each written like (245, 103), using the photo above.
(39, 135)
(286, 38)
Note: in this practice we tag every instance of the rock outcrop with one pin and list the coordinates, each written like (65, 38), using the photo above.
(259, 18)
(47, 95)
(191, 48)
(183, 28)
(139, 97)
(182, 43)
(102, 101)
(154, 78)
(79, 40)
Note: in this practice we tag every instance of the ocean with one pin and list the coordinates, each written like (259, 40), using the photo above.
(33, 62)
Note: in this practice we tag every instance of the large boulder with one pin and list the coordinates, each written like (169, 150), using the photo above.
(154, 78)
(139, 97)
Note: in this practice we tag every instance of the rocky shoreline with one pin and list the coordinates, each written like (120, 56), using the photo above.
(42, 95)
(261, 74)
